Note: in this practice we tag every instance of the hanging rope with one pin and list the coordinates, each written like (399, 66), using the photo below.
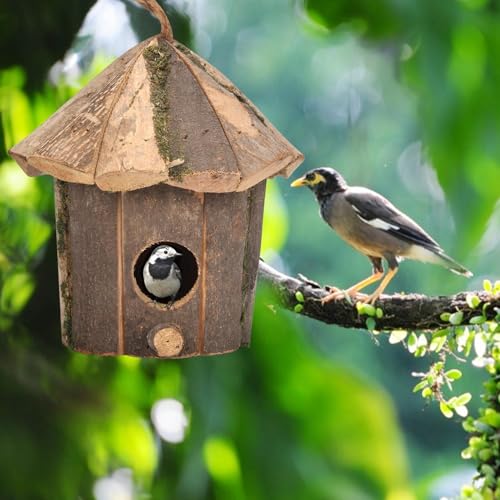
(154, 8)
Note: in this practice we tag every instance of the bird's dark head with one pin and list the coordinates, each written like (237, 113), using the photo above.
(322, 181)
(163, 252)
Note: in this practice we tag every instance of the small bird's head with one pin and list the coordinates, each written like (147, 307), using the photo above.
(322, 181)
(164, 252)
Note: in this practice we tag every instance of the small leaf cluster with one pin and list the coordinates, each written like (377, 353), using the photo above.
(432, 383)
(299, 307)
(484, 443)
(373, 313)
(480, 336)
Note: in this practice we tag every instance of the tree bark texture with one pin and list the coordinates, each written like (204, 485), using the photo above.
(410, 312)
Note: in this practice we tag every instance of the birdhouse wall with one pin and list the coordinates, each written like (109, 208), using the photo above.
(102, 236)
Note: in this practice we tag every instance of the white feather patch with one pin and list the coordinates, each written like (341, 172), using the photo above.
(377, 223)
(417, 252)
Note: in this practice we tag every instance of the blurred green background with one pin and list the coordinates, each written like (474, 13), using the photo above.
(399, 96)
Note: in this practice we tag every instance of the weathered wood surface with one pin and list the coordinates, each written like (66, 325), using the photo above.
(251, 260)
(159, 214)
(100, 238)
(88, 272)
(66, 146)
(261, 151)
(226, 228)
(110, 132)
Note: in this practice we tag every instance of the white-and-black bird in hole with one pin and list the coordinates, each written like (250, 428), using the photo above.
(162, 276)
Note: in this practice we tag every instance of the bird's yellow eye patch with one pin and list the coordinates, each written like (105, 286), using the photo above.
(308, 180)
(317, 179)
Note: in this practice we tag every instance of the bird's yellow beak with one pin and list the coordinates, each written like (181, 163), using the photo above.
(302, 181)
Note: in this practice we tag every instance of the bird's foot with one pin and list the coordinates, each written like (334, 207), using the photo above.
(370, 299)
(338, 294)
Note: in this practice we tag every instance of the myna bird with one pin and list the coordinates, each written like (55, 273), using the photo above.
(373, 226)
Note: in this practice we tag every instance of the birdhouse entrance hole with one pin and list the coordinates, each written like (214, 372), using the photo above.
(187, 264)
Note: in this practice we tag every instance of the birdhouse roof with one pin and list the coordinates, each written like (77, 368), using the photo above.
(158, 114)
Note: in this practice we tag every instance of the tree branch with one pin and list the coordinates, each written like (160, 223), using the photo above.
(409, 312)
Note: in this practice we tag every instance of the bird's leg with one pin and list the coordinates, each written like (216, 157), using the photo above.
(377, 273)
(354, 289)
(170, 302)
(393, 269)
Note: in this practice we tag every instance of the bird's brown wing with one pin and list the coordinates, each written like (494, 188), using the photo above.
(379, 212)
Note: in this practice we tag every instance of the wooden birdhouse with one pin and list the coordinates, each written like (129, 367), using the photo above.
(160, 148)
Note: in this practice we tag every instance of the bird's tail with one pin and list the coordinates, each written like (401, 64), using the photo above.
(446, 261)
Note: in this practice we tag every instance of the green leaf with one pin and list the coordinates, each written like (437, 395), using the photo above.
(437, 343)
(468, 344)
(298, 308)
(397, 336)
(422, 340)
(445, 316)
(468, 425)
(17, 290)
(461, 411)
(461, 336)
(420, 352)
(491, 418)
(445, 409)
(412, 342)
(379, 313)
(437, 366)
(477, 320)
(299, 296)
(370, 324)
(485, 455)
(275, 220)
(453, 374)
(456, 318)
(221, 459)
(487, 286)
(463, 399)
(496, 287)
(480, 344)
(367, 309)
(487, 470)
(441, 333)
(421, 385)
(492, 327)
(472, 300)
(427, 392)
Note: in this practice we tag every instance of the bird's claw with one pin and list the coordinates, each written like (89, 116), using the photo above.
(370, 299)
(338, 294)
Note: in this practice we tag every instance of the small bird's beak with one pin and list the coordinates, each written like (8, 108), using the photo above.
(302, 181)
(178, 254)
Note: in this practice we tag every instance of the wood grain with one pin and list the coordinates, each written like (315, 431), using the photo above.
(88, 260)
(261, 151)
(251, 257)
(218, 140)
(226, 235)
(67, 144)
(155, 215)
